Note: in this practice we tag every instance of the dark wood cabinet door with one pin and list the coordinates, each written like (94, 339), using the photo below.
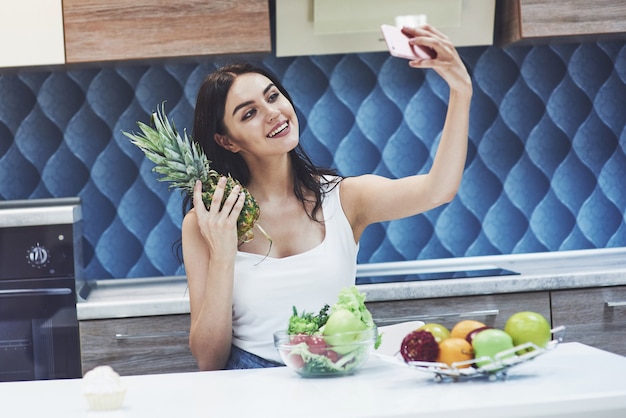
(534, 21)
(596, 317)
(138, 345)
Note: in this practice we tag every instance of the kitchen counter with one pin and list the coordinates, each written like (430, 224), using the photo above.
(538, 272)
(573, 380)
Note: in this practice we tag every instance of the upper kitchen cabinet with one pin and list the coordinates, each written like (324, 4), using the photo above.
(112, 30)
(537, 21)
(316, 27)
(31, 33)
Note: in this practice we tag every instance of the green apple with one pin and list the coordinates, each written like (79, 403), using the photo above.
(439, 331)
(343, 328)
(528, 326)
(490, 342)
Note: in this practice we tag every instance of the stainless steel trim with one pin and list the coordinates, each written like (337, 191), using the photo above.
(489, 312)
(509, 261)
(16, 213)
(125, 337)
(429, 266)
(60, 291)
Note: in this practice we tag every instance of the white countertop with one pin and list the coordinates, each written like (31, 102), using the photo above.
(574, 380)
(122, 298)
(539, 271)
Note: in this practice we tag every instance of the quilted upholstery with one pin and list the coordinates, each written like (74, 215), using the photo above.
(546, 166)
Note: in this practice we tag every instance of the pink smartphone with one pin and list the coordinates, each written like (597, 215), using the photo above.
(399, 46)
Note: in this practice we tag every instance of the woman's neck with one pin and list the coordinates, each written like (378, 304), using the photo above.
(271, 181)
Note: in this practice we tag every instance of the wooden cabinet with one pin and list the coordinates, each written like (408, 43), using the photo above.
(31, 33)
(596, 316)
(53, 32)
(110, 30)
(138, 345)
(532, 21)
(493, 310)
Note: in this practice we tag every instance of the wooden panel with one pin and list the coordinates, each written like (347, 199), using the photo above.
(493, 310)
(98, 30)
(596, 317)
(141, 345)
(531, 20)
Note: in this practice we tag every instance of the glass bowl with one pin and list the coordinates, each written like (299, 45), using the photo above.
(325, 355)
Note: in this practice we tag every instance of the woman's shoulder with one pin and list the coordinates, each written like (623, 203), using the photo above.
(190, 220)
(359, 182)
(356, 190)
(191, 214)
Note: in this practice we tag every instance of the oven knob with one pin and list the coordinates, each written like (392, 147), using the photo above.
(38, 256)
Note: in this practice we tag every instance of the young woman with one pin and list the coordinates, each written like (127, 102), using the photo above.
(241, 293)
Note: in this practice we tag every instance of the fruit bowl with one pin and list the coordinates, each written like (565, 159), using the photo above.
(492, 368)
(325, 355)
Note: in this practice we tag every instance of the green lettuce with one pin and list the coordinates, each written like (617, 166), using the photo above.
(354, 301)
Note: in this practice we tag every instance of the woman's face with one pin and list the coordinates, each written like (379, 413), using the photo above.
(259, 120)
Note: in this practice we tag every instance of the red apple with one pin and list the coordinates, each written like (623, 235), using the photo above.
(470, 336)
(419, 345)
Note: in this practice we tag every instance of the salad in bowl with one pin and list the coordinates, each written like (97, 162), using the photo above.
(334, 342)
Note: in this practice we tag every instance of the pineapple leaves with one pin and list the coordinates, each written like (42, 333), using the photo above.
(181, 161)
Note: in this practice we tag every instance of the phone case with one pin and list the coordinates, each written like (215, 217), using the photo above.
(399, 46)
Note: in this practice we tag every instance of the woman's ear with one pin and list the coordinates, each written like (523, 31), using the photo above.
(225, 142)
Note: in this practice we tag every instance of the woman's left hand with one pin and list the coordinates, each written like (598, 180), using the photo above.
(447, 62)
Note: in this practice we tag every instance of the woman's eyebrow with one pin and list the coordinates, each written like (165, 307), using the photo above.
(249, 102)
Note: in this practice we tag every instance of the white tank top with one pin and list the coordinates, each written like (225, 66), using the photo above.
(265, 291)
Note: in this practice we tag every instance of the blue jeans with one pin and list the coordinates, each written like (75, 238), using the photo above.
(241, 359)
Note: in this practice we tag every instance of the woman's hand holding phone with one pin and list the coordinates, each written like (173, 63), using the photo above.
(399, 46)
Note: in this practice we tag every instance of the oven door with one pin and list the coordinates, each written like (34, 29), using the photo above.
(38, 330)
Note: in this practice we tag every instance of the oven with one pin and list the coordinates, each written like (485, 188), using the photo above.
(40, 262)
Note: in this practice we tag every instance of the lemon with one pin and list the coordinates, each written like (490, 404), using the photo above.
(439, 331)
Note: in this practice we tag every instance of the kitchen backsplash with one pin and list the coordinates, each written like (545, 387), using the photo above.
(545, 170)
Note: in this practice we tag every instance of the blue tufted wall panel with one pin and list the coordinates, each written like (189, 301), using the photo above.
(545, 169)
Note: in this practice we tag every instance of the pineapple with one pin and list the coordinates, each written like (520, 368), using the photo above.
(181, 162)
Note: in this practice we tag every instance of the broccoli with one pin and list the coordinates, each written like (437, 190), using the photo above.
(306, 322)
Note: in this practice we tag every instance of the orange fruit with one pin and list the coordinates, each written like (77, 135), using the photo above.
(454, 349)
(464, 327)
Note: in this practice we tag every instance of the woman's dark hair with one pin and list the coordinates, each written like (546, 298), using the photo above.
(209, 120)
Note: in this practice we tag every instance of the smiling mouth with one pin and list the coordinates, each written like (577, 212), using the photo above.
(278, 130)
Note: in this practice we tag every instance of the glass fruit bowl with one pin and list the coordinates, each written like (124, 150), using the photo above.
(325, 355)
(494, 368)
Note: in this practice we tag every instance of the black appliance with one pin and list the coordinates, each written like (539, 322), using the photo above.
(437, 275)
(40, 265)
